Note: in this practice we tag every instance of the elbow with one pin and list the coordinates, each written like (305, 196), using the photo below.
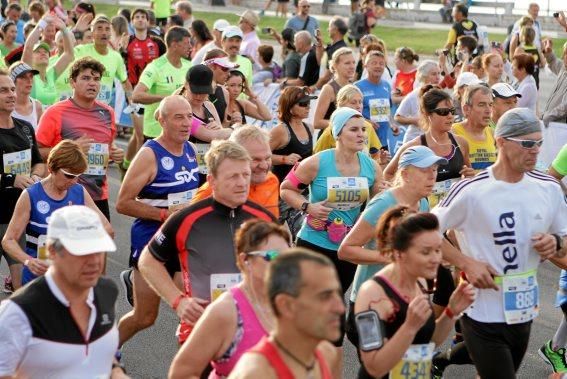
(120, 208)
(343, 252)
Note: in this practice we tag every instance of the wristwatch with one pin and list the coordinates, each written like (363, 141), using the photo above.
(304, 207)
(559, 243)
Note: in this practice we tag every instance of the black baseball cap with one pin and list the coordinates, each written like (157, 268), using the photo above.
(200, 79)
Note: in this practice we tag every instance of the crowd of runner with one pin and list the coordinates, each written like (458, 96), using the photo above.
(264, 187)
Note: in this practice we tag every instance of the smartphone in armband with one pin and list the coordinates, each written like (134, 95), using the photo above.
(370, 330)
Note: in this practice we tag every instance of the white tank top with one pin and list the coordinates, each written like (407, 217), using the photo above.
(31, 118)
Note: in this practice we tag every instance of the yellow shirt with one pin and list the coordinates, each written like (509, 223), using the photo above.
(482, 153)
(327, 141)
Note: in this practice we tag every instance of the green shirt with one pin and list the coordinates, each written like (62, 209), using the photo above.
(62, 83)
(161, 78)
(6, 50)
(560, 162)
(162, 8)
(114, 69)
(45, 91)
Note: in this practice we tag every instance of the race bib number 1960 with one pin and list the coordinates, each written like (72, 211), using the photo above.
(97, 159)
(416, 363)
(17, 163)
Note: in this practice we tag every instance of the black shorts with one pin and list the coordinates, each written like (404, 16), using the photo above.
(496, 348)
(102, 205)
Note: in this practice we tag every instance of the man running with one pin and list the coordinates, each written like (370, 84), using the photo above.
(306, 299)
(62, 325)
(200, 237)
(508, 219)
(161, 179)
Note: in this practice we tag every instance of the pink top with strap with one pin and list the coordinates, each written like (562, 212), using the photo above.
(270, 352)
(249, 331)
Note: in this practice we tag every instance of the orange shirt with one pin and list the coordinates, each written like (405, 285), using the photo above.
(266, 194)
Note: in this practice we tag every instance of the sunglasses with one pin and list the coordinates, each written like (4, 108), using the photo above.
(304, 104)
(68, 175)
(267, 255)
(526, 143)
(444, 111)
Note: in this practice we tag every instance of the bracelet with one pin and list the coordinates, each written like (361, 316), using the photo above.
(283, 159)
(449, 313)
(162, 214)
(177, 300)
(42, 24)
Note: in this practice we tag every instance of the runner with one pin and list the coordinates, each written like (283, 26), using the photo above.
(21, 167)
(66, 162)
(162, 77)
(89, 122)
(27, 108)
(397, 299)
(305, 297)
(340, 181)
(62, 324)
(200, 237)
(161, 180)
(241, 317)
(503, 242)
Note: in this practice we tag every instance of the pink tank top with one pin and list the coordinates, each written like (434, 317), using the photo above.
(249, 331)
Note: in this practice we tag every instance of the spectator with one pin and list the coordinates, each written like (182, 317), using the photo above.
(404, 78)
(216, 43)
(184, 8)
(309, 68)
(462, 26)
(36, 10)
(302, 20)
(162, 10)
(291, 58)
(337, 31)
(231, 43)
(269, 70)
(250, 41)
(119, 32)
(533, 13)
(505, 98)
(523, 68)
(13, 13)
(371, 12)
(8, 38)
(201, 36)
(173, 20)
(555, 109)
(527, 35)
(281, 8)
(515, 37)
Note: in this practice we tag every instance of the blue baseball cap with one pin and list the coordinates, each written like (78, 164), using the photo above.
(340, 117)
(420, 156)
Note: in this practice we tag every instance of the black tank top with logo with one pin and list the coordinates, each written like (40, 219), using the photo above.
(218, 100)
(456, 160)
(332, 105)
(294, 146)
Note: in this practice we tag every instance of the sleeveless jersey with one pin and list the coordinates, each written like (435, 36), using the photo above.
(42, 206)
(481, 153)
(202, 146)
(218, 100)
(176, 182)
(466, 28)
(294, 145)
(332, 105)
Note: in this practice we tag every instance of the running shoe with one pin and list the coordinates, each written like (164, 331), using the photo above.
(556, 359)
(126, 279)
(8, 286)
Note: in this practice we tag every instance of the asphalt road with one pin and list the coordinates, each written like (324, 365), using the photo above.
(149, 354)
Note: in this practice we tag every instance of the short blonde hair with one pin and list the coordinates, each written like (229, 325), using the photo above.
(337, 56)
(68, 155)
(221, 150)
(249, 133)
(346, 93)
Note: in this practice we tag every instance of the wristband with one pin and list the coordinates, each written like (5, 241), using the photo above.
(163, 214)
(42, 24)
(177, 300)
(449, 313)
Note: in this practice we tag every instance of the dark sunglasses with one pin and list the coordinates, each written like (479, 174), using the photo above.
(526, 143)
(444, 111)
(304, 104)
(68, 175)
(267, 255)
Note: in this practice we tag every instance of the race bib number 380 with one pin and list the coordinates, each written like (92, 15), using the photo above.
(17, 163)
(521, 297)
(344, 193)
(416, 363)
(97, 159)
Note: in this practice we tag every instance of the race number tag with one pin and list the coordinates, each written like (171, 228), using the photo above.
(344, 193)
(17, 163)
(440, 189)
(41, 250)
(521, 297)
(176, 201)
(379, 110)
(415, 364)
(220, 283)
(98, 159)
(202, 149)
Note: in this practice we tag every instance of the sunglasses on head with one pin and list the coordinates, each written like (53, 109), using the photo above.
(444, 111)
(526, 143)
(68, 175)
(267, 255)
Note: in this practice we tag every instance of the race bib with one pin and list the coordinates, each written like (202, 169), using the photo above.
(415, 364)
(17, 163)
(521, 297)
(440, 189)
(202, 149)
(104, 94)
(345, 193)
(220, 283)
(41, 250)
(97, 159)
(379, 110)
(176, 201)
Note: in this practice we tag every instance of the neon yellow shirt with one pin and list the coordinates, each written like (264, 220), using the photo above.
(114, 69)
(162, 8)
(327, 141)
(560, 162)
(45, 91)
(161, 78)
(482, 153)
(62, 83)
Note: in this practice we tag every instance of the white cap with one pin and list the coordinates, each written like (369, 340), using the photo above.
(220, 24)
(504, 91)
(80, 230)
(232, 31)
(221, 61)
(467, 79)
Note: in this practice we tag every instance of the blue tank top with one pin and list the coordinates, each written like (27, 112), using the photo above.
(42, 206)
(345, 194)
(174, 186)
